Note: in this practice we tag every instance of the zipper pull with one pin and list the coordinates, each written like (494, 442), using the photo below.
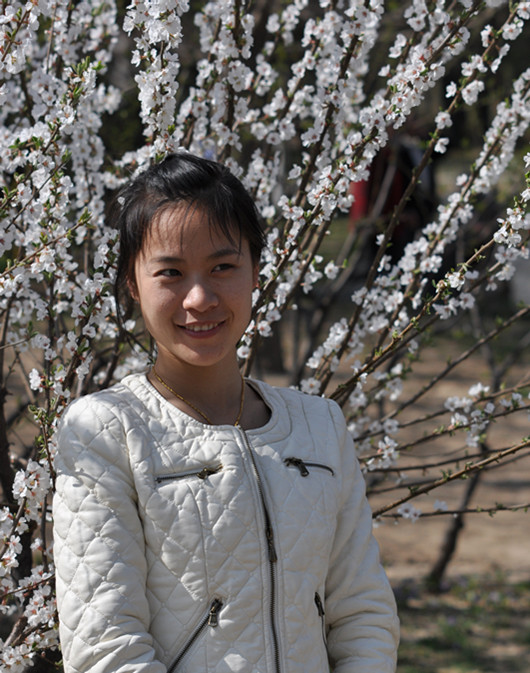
(213, 619)
(207, 471)
(320, 607)
(299, 463)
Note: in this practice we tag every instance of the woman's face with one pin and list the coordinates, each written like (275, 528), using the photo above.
(194, 287)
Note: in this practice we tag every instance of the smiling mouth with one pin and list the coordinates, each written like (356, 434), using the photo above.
(205, 327)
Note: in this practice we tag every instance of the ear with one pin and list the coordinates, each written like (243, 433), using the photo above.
(255, 276)
(133, 289)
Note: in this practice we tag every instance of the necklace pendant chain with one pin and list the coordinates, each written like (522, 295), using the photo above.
(195, 408)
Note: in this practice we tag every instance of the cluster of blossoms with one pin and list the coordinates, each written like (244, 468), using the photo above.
(30, 488)
(298, 102)
(53, 298)
(38, 612)
(466, 414)
(31, 597)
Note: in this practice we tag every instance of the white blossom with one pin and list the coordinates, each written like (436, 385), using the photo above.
(443, 120)
(310, 386)
(441, 145)
(408, 511)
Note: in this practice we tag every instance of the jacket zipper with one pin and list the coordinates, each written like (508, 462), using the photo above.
(201, 474)
(211, 619)
(322, 615)
(303, 466)
(269, 535)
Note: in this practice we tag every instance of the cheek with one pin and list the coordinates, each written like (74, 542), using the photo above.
(156, 301)
(243, 301)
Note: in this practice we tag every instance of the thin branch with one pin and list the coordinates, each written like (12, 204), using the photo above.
(459, 474)
(471, 510)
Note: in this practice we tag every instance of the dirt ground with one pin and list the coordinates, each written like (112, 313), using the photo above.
(480, 623)
(488, 544)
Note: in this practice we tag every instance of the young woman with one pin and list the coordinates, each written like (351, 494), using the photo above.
(204, 522)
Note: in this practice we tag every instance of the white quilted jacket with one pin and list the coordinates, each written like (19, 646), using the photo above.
(187, 548)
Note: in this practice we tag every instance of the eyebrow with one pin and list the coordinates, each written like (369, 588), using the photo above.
(223, 252)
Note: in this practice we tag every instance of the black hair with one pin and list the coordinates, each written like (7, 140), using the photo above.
(181, 178)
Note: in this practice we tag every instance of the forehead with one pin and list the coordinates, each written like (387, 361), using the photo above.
(190, 228)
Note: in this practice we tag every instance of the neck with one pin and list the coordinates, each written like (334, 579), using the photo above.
(209, 396)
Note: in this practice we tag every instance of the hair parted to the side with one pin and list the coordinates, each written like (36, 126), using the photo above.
(180, 179)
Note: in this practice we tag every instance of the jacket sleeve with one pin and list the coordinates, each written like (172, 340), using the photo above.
(99, 547)
(360, 608)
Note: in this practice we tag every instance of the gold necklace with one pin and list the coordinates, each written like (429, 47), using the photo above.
(201, 413)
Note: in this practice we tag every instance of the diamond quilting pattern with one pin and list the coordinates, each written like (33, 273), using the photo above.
(140, 560)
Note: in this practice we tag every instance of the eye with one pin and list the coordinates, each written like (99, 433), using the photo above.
(169, 273)
(224, 266)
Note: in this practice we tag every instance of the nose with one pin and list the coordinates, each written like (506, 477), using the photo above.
(199, 296)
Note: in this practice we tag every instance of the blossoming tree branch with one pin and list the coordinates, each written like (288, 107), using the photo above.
(309, 104)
